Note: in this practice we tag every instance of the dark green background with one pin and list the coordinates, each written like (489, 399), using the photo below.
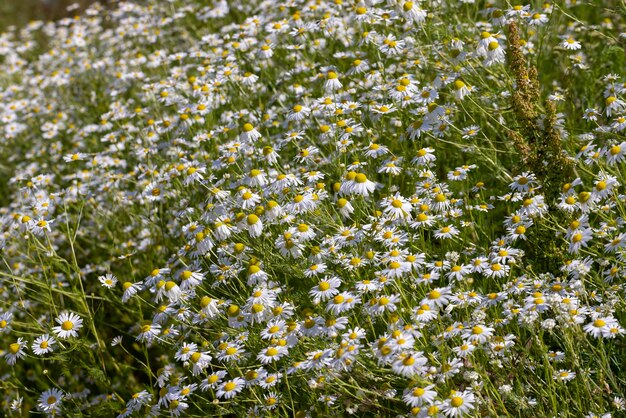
(20, 12)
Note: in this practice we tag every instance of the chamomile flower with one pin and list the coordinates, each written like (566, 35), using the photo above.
(51, 401)
(397, 207)
(564, 375)
(43, 344)
(459, 404)
(230, 388)
(69, 325)
(130, 290)
(409, 364)
(419, 395)
(108, 280)
(15, 351)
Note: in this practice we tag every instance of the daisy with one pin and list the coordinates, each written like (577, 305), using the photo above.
(148, 332)
(270, 380)
(271, 354)
(571, 44)
(495, 54)
(460, 89)
(523, 182)
(614, 105)
(459, 404)
(213, 380)
(266, 51)
(358, 184)
(130, 290)
(50, 401)
(464, 350)
(411, 11)
(409, 364)
(5, 322)
(478, 333)
(564, 375)
(397, 207)
(40, 227)
(15, 351)
(419, 395)
(325, 289)
(615, 154)
(298, 113)
(579, 239)
(600, 326)
(200, 361)
(79, 156)
(446, 232)
(315, 269)
(342, 302)
(69, 324)
(256, 178)
(43, 344)
(423, 220)
(517, 232)
(375, 150)
(437, 298)
(537, 19)
(518, 11)
(496, 270)
(254, 225)
(377, 306)
(332, 82)
(424, 313)
(108, 280)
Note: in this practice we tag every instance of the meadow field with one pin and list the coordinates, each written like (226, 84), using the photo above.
(313, 208)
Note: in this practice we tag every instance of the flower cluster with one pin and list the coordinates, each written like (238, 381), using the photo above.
(309, 208)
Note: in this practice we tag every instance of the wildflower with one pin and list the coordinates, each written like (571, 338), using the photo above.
(50, 401)
(615, 153)
(342, 302)
(271, 354)
(43, 344)
(298, 113)
(108, 280)
(600, 327)
(459, 404)
(382, 304)
(446, 232)
(523, 182)
(15, 352)
(250, 133)
(437, 298)
(148, 332)
(130, 290)
(537, 19)
(478, 333)
(79, 156)
(419, 395)
(570, 43)
(357, 183)
(254, 225)
(495, 54)
(5, 322)
(564, 375)
(614, 105)
(397, 207)
(69, 325)
(326, 289)
(409, 364)
(579, 239)
(461, 89)
(332, 82)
